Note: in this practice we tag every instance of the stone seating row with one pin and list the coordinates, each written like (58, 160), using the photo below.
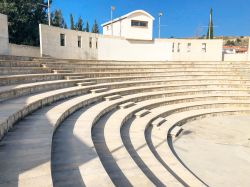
(29, 78)
(112, 133)
(11, 91)
(70, 103)
(16, 109)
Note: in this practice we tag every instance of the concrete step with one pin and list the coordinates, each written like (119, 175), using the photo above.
(112, 97)
(99, 90)
(86, 83)
(157, 122)
(127, 105)
(22, 70)
(175, 131)
(142, 113)
(62, 71)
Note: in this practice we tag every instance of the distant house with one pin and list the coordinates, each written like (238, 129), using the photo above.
(234, 49)
(134, 25)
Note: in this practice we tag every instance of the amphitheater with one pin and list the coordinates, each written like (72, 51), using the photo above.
(111, 123)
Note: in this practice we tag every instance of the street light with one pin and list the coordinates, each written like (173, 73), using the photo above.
(159, 26)
(112, 9)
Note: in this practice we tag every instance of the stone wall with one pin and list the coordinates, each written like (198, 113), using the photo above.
(249, 50)
(118, 48)
(4, 36)
(235, 57)
(24, 50)
(50, 43)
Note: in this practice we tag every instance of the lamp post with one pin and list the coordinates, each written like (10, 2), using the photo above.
(47, 6)
(112, 9)
(49, 13)
(159, 26)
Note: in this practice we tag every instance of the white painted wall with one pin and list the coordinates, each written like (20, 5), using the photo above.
(133, 50)
(4, 36)
(195, 52)
(24, 50)
(249, 49)
(159, 50)
(118, 48)
(50, 43)
(122, 27)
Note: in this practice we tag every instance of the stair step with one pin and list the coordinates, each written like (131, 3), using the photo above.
(74, 77)
(175, 131)
(62, 71)
(142, 113)
(158, 121)
(43, 65)
(112, 97)
(127, 105)
(86, 83)
(99, 90)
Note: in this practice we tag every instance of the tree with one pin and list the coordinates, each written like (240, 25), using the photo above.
(57, 19)
(72, 24)
(24, 17)
(95, 28)
(79, 24)
(210, 32)
(87, 27)
(230, 43)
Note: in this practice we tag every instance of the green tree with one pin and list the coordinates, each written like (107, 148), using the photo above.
(79, 24)
(57, 19)
(87, 27)
(72, 24)
(210, 32)
(95, 28)
(24, 17)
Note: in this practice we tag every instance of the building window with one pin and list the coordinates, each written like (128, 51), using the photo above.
(135, 23)
(62, 39)
(179, 47)
(107, 28)
(96, 43)
(204, 47)
(90, 42)
(173, 48)
(189, 47)
(79, 41)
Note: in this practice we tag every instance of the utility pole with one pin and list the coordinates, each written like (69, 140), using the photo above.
(49, 20)
(47, 6)
(112, 9)
(159, 26)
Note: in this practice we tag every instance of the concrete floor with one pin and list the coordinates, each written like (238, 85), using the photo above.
(217, 150)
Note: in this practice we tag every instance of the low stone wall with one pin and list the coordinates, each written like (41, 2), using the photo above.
(24, 50)
(4, 36)
(235, 57)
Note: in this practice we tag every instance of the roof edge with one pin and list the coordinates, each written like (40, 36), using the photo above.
(127, 15)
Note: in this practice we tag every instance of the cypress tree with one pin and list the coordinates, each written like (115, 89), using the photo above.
(95, 28)
(72, 24)
(87, 27)
(57, 19)
(210, 32)
(79, 24)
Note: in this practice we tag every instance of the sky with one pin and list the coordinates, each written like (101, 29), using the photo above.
(182, 18)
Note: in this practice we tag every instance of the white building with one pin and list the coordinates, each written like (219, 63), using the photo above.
(134, 25)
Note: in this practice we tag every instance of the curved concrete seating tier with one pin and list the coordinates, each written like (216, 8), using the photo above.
(29, 78)
(23, 70)
(165, 151)
(20, 107)
(114, 124)
(108, 107)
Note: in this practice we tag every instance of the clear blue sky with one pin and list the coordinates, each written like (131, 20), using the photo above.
(182, 18)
